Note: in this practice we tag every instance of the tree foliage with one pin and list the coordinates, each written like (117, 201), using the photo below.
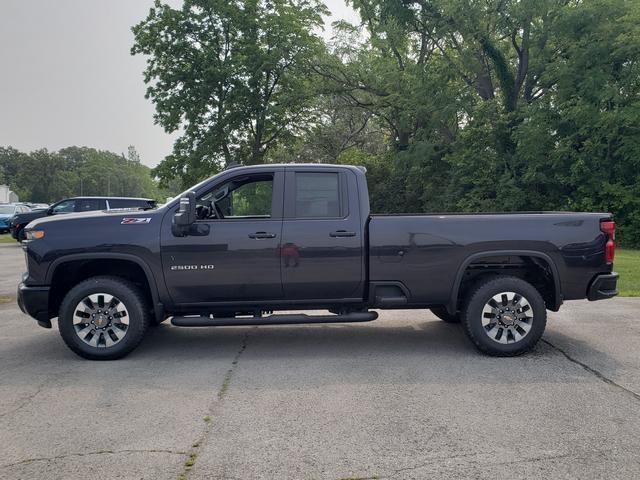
(453, 105)
(43, 176)
(232, 75)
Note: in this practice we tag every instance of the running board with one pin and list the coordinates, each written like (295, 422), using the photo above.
(288, 319)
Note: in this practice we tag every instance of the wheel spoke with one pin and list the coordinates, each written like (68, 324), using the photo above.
(503, 317)
(101, 320)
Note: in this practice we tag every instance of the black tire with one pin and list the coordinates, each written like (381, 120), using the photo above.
(444, 315)
(473, 314)
(137, 314)
(20, 235)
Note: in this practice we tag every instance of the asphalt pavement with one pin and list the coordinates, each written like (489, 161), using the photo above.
(405, 397)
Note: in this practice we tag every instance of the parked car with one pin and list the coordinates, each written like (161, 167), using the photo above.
(254, 240)
(75, 205)
(37, 206)
(7, 211)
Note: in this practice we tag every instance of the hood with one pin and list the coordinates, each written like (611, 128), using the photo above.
(4, 216)
(110, 217)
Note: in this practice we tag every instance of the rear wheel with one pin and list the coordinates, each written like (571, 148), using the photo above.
(443, 314)
(504, 316)
(103, 318)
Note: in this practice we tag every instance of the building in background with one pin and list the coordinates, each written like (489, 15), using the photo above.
(6, 195)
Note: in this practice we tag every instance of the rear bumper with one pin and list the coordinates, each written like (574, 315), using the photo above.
(603, 286)
(34, 301)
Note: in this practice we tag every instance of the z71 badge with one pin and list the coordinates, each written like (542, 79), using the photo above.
(135, 220)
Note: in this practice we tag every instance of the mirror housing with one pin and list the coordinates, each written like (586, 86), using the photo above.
(185, 216)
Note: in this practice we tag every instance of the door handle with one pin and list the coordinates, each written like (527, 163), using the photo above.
(342, 233)
(262, 235)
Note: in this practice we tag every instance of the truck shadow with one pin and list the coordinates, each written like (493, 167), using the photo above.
(422, 351)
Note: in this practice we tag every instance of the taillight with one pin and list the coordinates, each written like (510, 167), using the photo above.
(609, 229)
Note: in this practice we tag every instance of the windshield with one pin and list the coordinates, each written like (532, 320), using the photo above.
(7, 209)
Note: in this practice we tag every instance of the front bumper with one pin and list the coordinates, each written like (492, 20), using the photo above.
(603, 286)
(34, 301)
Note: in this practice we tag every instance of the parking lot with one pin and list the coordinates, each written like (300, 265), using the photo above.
(405, 396)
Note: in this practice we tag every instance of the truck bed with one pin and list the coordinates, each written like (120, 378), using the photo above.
(427, 252)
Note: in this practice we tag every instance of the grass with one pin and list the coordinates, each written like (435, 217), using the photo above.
(627, 264)
(6, 238)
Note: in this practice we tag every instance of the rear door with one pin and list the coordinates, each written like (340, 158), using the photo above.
(322, 242)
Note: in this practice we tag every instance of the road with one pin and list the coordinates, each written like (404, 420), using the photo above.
(403, 397)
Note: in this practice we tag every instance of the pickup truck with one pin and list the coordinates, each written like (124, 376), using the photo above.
(252, 241)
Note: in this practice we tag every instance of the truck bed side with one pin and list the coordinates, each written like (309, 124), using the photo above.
(431, 254)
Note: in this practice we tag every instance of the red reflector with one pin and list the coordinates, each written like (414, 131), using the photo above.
(610, 251)
(609, 229)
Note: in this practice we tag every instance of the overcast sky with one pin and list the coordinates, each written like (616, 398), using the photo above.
(67, 78)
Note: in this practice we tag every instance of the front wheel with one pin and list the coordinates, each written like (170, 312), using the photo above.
(103, 318)
(504, 316)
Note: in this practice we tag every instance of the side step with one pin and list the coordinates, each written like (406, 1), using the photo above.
(286, 319)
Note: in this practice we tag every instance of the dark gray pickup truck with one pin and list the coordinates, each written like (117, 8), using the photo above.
(255, 240)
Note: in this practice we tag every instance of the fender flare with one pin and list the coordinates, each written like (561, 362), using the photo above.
(452, 306)
(158, 308)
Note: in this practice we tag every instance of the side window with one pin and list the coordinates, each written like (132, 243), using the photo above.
(248, 196)
(317, 195)
(89, 204)
(65, 207)
(123, 203)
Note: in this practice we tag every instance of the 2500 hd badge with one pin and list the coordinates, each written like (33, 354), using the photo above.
(191, 267)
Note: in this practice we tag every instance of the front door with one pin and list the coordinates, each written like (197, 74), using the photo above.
(234, 254)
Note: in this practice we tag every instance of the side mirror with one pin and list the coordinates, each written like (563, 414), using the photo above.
(185, 216)
(50, 211)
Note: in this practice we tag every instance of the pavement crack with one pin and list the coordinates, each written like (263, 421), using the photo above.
(86, 454)
(25, 401)
(593, 371)
(229, 375)
(192, 454)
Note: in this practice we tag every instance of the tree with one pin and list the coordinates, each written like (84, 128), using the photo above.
(43, 176)
(231, 75)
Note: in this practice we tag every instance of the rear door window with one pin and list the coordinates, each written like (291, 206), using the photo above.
(317, 195)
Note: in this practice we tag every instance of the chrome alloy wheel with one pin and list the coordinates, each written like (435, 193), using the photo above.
(507, 317)
(101, 320)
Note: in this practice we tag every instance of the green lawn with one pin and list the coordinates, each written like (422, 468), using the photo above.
(627, 264)
(6, 238)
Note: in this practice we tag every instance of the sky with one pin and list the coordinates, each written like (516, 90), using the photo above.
(67, 77)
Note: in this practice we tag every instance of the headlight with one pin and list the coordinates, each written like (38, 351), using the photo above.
(34, 234)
